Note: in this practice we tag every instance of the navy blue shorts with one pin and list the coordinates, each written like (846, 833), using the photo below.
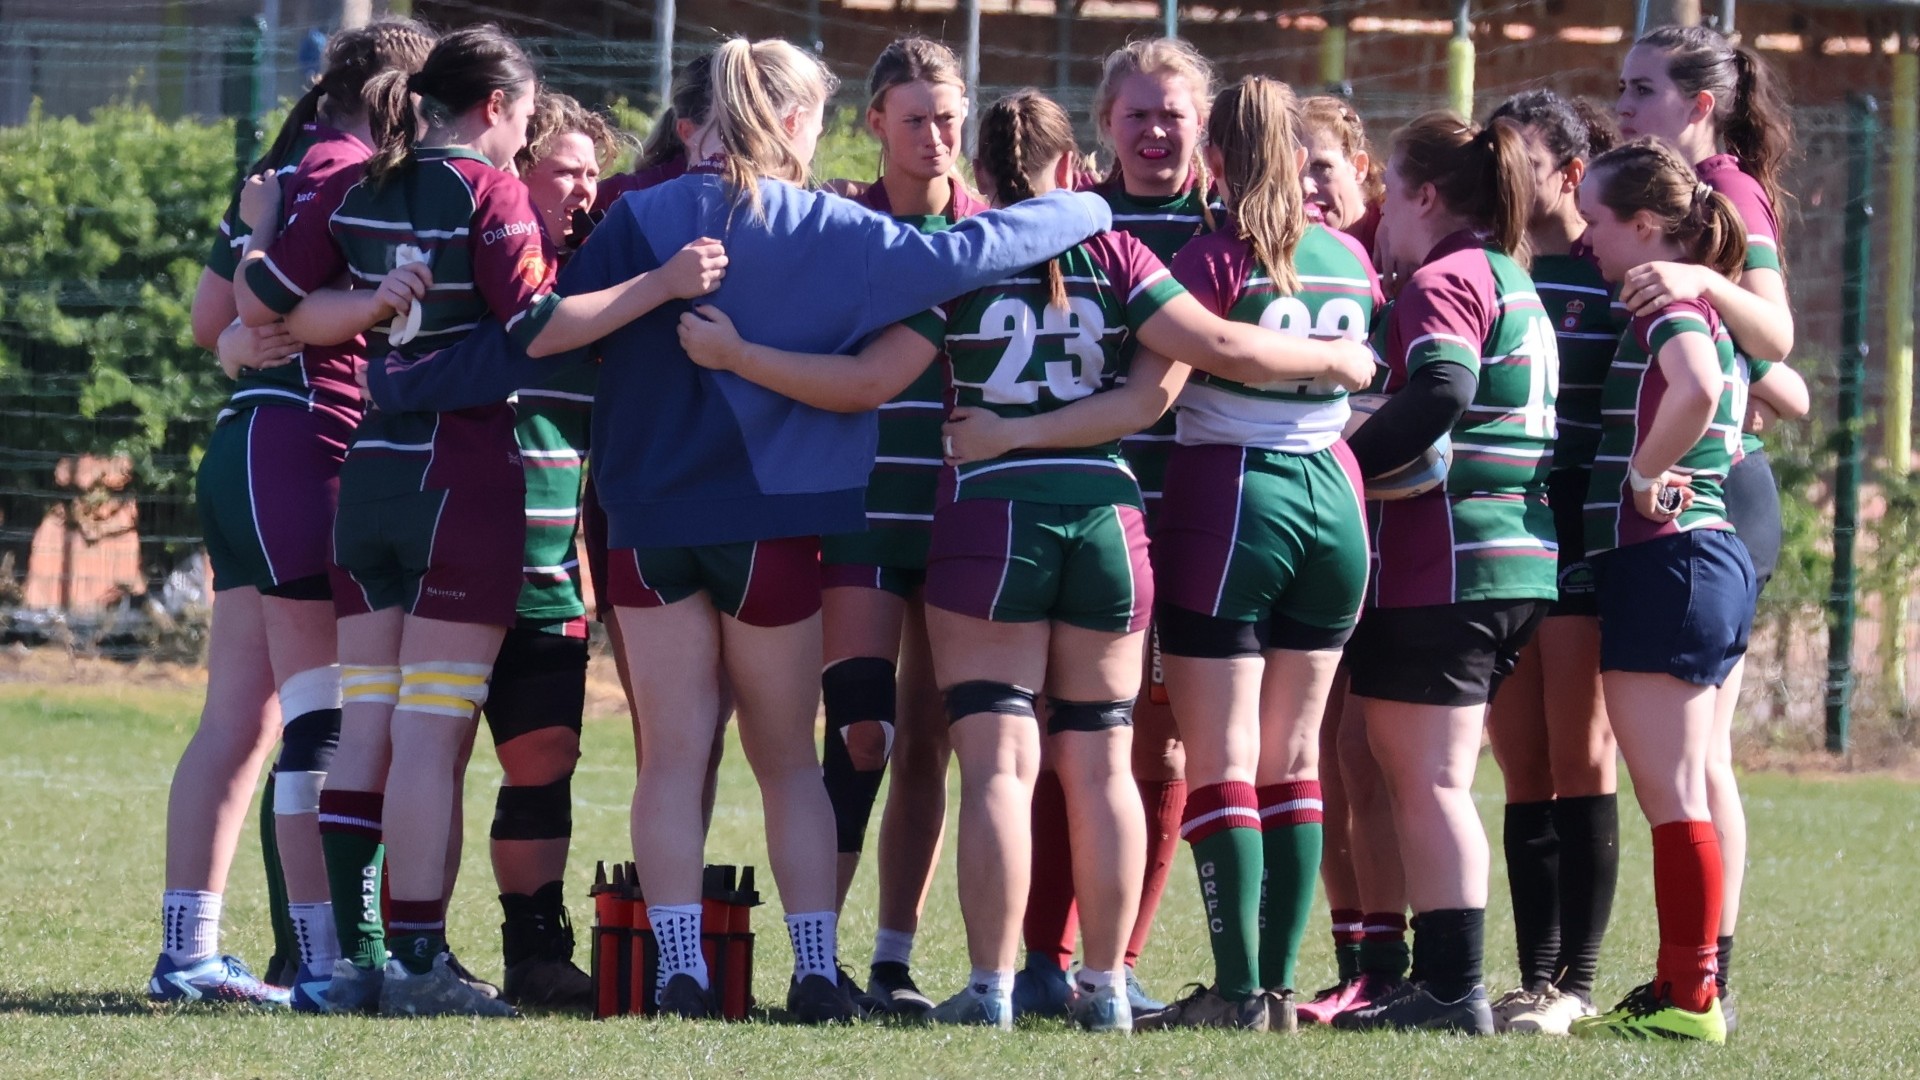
(1680, 605)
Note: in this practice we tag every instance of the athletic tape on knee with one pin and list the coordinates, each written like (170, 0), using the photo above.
(543, 812)
(986, 696)
(297, 792)
(444, 688)
(369, 684)
(1087, 715)
(309, 691)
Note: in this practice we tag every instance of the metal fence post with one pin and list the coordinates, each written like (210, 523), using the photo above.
(1855, 265)
(243, 89)
(1460, 61)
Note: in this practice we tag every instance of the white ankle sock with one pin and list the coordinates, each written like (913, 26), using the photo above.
(1092, 981)
(892, 946)
(190, 925)
(677, 928)
(815, 944)
(986, 982)
(319, 941)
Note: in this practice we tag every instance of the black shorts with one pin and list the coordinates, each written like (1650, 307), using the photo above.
(1446, 654)
(1753, 506)
(1566, 497)
(1679, 605)
(539, 681)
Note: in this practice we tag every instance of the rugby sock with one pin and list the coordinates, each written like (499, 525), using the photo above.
(1723, 962)
(190, 925)
(350, 838)
(1223, 825)
(535, 925)
(1449, 945)
(1165, 801)
(419, 932)
(1383, 944)
(313, 928)
(1049, 925)
(1291, 819)
(1348, 929)
(1589, 828)
(1687, 893)
(852, 691)
(286, 946)
(1533, 872)
(676, 927)
(892, 946)
(816, 947)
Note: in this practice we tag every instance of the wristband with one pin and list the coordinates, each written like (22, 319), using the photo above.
(1640, 482)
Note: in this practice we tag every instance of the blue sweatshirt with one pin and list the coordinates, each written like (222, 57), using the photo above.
(683, 456)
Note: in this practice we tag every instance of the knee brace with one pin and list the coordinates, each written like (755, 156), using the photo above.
(369, 684)
(985, 696)
(544, 812)
(444, 688)
(538, 682)
(858, 689)
(306, 752)
(1087, 715)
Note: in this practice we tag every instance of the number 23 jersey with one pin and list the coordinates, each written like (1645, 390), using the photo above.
(1011, 351)
(1487, 534)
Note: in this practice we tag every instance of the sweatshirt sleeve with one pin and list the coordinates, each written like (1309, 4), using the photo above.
(908, 271)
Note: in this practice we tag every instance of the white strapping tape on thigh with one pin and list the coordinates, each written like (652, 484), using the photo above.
(297, 792)
(443, 688)
(309, 691)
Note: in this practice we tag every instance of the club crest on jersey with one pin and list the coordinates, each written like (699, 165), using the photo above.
(532, 270)
(1574, 309)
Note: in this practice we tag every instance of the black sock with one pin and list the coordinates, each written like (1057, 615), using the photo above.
(1724, 946)
(1417, 967)
(1533, 879)
(1589, 829)
(536, 926)
(1448, 947)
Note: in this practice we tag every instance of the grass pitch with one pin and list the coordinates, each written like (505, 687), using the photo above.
(1825, 970)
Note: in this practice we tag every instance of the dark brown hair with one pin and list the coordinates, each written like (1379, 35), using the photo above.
(1480, 173)
(347, 86)
(1252, 124)
(1749, 105)
(462, 71)
(1647, 174)
(1020, 135)
(692, 100)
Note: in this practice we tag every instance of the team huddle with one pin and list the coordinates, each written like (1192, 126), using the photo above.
(1209, 495)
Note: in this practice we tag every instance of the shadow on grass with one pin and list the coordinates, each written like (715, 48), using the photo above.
(76, 1003)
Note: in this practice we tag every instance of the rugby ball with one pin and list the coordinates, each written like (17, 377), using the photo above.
(1416, 477)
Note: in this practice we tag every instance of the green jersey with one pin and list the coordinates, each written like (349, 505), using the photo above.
(1587, 320)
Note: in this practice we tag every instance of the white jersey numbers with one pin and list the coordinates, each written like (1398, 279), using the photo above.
(1077, 331)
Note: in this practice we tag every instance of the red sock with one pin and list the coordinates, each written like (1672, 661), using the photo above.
(1687, 894)
(1050, 926)
(1166, 801)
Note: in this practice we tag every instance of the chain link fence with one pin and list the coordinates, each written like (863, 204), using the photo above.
(104, 401)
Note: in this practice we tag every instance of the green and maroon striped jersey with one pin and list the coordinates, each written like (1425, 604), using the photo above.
(1010, 350)
(479, 233)
(1587, 321)
(1722, 173)
(223, 258)
(551, 425)
(319, 377)
(1634, 389)
(903, 487)
(1338, 295)
(1164, 224)
(1487, 534)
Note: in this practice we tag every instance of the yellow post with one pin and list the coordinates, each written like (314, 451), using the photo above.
(1896, 414)
(1333, 49)
(1460, 62)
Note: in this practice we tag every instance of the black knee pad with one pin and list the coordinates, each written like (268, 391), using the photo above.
(544, 812)
(1205, 637)
(986, 696)
(308, 742)
(1087, 715)
(539, 682)
(856, 689)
